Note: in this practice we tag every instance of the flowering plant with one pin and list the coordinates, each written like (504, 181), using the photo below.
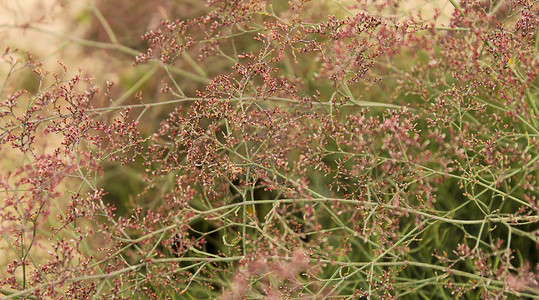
(309, 149)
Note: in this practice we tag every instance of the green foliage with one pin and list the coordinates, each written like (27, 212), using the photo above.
(278, 149)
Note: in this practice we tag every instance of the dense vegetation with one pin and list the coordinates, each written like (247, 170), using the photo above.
(275, 149)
